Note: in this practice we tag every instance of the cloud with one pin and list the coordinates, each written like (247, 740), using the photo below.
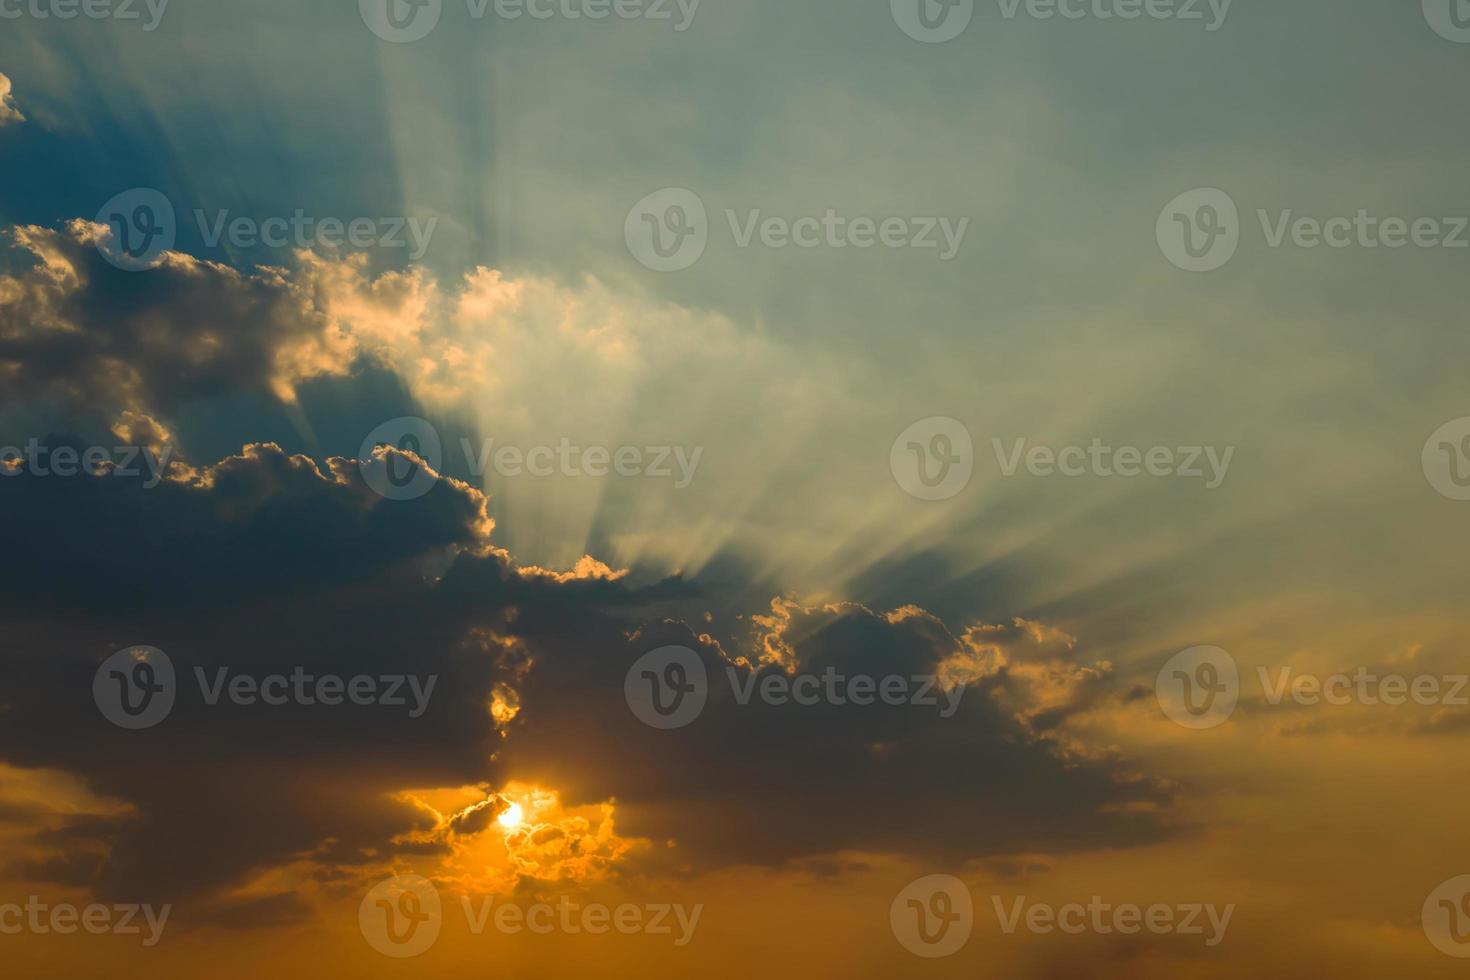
(266, 563)
(520, 360)
(76, 330)
(877, 777)
(8, 112)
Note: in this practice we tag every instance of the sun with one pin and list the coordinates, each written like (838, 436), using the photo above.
(510, 817)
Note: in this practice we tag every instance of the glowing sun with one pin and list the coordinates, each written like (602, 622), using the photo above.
(511, 816)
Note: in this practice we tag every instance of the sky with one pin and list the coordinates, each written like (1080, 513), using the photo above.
(853, 489)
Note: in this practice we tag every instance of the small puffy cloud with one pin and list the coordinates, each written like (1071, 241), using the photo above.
(8, 112)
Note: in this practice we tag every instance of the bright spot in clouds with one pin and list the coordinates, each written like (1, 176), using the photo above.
(511, 817)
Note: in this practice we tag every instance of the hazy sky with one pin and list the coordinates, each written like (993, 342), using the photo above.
(1048, 355)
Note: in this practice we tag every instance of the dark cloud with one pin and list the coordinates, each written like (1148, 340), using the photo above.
(267, 563)
(77, 331)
